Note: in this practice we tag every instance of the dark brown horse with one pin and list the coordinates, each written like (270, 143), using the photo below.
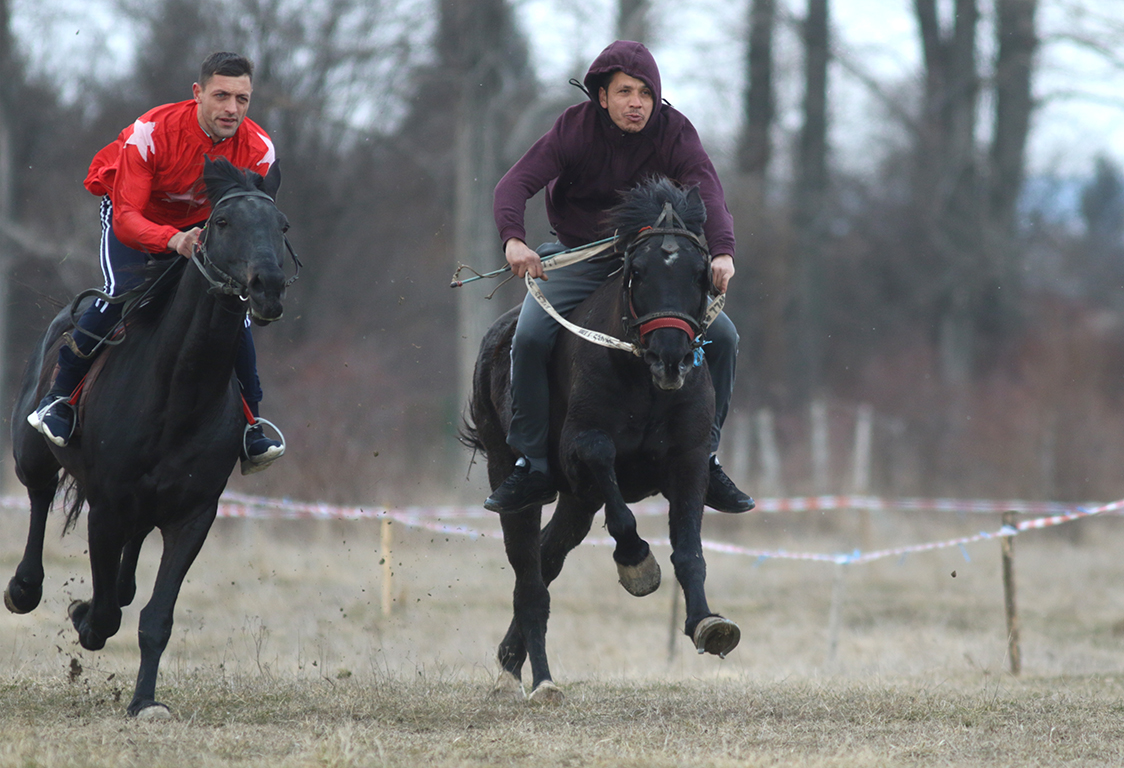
(623, 427)
(161, 427)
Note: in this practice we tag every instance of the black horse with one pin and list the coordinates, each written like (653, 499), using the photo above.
(623, 427)
(161, 421)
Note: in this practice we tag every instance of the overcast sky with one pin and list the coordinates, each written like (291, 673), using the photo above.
(699, 47)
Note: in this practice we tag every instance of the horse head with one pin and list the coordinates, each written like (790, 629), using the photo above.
(243, 245)
(666, 276)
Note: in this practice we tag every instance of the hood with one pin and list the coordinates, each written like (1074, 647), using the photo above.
(635, 61)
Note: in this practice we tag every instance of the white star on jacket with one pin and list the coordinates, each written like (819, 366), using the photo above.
(142, 138)
(270, 154)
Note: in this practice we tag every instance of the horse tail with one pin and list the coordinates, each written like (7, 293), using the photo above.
(74, 498)
(468, 435)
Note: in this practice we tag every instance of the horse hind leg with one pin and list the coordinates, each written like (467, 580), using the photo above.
(127, 572)
(99, 618)
(568, 527)
(25, 589)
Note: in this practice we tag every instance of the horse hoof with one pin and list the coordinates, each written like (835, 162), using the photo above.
(20, 600)
(154, 711)
(507, 688)
(642, 579)
(77, 611)
(546, 693)
(716, 635)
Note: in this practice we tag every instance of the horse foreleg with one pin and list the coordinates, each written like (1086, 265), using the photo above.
(25, 589)
(181, 546)
(127, 572)
(686, 491)
(636, 565)
(99, 618)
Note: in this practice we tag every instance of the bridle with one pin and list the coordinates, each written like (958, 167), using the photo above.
(220, 281)
(639, 327)
(670, 226)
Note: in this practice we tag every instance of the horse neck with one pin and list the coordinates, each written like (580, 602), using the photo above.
(199, 336)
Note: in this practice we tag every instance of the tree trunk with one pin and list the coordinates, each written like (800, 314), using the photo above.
(478, 45)
(754, 146)
(809, 199)
(1013, 107)
(632, 20)
(946, 186)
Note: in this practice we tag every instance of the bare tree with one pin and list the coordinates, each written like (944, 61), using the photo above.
(632, 20)
(479, 47)
(809, 198)
(754, 143)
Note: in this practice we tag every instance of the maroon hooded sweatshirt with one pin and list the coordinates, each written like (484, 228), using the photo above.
(585, 161)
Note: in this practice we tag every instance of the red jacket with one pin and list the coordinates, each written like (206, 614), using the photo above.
(586, 162)
(153, 172)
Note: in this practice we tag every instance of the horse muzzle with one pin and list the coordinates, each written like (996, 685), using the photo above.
(266, 291)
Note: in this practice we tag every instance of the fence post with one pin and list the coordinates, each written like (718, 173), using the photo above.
(821, 446)
(770, 455)
(1009, 596)
(387, 570)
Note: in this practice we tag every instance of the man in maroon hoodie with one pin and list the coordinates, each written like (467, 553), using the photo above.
(596, 150)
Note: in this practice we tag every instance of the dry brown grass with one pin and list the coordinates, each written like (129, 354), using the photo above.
(281, 656)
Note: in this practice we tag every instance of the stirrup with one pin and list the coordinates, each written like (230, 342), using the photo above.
(248, 465)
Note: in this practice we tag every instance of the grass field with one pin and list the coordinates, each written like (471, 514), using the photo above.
(281, 655)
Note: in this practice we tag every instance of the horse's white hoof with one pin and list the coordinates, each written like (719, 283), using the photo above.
(507, 688)
(642, 579)
(547, 693)
(716, 635)
(155, 712)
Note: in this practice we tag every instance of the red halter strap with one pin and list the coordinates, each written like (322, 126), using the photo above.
(666, 322)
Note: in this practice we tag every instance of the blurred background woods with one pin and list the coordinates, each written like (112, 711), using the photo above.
(923, 311)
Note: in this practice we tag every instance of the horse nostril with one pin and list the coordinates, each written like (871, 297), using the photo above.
(256, 285)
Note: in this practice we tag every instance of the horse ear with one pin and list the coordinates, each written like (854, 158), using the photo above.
(695, 201)
(271, 182)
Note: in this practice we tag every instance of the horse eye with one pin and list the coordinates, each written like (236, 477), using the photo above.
(220, 222)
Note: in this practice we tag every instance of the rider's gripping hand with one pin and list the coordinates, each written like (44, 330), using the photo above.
(522, 259)
(183, 243)
(721, 270)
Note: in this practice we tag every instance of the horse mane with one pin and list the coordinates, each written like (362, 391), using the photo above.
(221, 177)
(642, 205)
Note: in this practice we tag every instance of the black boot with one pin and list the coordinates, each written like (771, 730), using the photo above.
(722, 494)
(259, 451)
(523, 488)
(54, 417)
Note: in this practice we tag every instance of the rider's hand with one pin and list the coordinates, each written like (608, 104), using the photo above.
(522, 259)
(183, 243)
(721, 270)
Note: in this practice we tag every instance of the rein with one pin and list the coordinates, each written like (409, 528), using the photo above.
(225, 283)
(670, 226)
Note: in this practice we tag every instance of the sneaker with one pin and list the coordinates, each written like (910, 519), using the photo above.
(523, 488)
(722, 494)
(54, 418)
(259, 451)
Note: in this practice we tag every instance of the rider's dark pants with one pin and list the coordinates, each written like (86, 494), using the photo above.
(121, 266)
(534, 338)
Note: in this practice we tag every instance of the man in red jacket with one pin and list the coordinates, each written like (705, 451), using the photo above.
(153, 207)
(596, 150)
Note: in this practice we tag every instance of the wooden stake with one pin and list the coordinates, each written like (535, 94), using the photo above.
(1009, 596)
(835, 614)
(387, 571)
(673, 633)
